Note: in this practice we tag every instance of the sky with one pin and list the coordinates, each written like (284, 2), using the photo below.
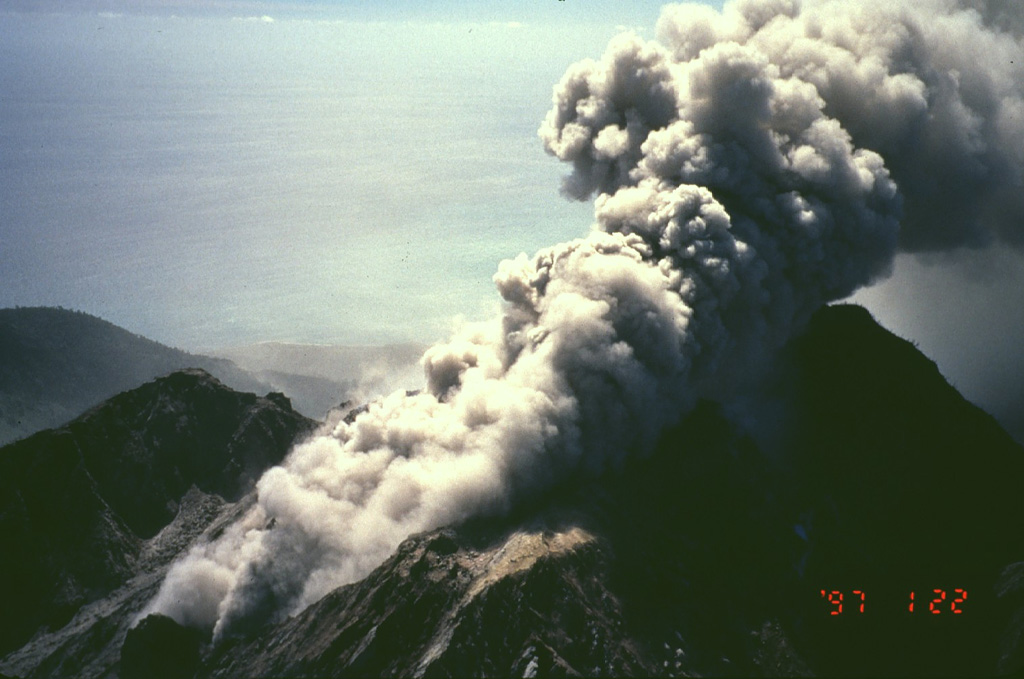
(210, 174)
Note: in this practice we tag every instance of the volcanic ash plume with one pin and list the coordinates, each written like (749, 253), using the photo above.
(749, 167)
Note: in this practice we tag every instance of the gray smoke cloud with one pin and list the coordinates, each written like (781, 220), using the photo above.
(748, 167)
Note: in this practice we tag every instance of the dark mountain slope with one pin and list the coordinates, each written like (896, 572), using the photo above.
(76, 503)
(877, 416)
(708, 557)
(147, 446)
(56, 363)
(854, 467)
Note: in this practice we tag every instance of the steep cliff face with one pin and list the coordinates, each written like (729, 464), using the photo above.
(79, 505)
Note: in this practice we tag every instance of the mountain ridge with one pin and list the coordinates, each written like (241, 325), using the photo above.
(55, 363)
(80, 504)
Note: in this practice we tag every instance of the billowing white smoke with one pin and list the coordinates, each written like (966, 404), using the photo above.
(752, 166)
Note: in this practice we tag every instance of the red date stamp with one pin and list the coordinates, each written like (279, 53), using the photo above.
(935, 602)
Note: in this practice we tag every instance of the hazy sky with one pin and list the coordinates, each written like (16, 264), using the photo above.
(218, 173)
(209, 180)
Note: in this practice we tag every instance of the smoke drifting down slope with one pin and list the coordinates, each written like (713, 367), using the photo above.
(751, 166)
